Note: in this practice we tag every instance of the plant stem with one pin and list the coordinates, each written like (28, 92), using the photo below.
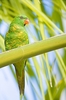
(31, 50)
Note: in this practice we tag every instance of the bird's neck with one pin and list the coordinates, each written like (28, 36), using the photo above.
(15, 27)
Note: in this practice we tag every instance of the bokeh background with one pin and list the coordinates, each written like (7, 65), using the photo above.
(45, 74)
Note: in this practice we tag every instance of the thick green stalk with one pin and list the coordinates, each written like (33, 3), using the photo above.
(31, 50)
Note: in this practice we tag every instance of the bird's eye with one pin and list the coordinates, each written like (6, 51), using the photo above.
(21, 17)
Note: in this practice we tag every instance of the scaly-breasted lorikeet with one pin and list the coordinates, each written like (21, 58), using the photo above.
(16, 37)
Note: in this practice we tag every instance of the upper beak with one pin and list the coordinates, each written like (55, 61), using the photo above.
(26, 21)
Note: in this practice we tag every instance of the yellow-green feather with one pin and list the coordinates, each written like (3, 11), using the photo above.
(16, 37)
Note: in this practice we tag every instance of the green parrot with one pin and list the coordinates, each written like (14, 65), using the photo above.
(16, 37)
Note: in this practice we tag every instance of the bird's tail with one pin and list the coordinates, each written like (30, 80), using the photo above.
(21, 81)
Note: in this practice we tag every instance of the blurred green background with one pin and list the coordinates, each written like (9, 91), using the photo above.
(46, 73)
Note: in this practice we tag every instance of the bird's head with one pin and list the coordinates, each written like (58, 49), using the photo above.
(21, 20)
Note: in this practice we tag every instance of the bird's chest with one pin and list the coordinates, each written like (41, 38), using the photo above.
(16, 37)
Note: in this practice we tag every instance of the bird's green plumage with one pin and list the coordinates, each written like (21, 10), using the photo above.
(16, 37)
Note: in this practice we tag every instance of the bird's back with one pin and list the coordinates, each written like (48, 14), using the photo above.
(17, 37)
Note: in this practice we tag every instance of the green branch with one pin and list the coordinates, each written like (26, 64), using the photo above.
(31, 50)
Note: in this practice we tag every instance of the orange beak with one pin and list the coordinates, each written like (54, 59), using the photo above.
(26, 21)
